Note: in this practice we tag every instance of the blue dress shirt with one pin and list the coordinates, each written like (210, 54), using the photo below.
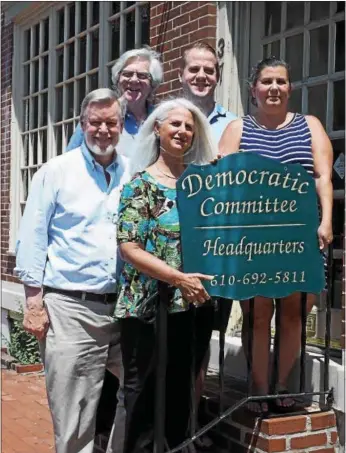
(219, 120)
(67, 238)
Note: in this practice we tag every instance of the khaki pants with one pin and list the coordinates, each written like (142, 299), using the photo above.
(83, 340)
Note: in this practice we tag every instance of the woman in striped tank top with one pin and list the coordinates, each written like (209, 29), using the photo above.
(287, 137)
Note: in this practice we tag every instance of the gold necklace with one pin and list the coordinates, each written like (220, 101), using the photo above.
(165, 174)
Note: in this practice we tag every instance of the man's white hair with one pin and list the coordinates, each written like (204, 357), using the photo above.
(101, 95)
(147, 149)
(155, 67)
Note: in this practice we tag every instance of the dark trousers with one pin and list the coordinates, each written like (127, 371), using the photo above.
(139, 360)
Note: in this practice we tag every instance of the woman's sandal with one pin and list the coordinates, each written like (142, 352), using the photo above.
(258, 407)
(277, 404)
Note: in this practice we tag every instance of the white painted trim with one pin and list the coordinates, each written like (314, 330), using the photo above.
(231, 91)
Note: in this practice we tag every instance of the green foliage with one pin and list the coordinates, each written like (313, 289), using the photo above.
(23, 346)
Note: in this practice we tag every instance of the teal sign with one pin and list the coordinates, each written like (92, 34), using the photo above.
(252, 223)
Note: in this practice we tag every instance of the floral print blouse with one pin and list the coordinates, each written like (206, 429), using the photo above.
(147, 215)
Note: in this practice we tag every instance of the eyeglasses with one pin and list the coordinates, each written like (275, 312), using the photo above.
(109, 124)
(140, 75)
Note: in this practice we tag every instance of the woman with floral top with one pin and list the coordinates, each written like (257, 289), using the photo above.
(174, 135)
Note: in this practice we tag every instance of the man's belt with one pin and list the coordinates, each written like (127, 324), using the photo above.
(108, 298)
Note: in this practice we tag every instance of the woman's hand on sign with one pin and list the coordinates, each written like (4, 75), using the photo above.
(191, 287)
(325, 235)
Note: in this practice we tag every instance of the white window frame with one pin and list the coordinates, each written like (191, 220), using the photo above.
(28, 16)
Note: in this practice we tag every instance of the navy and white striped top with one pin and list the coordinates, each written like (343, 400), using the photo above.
(289, 144)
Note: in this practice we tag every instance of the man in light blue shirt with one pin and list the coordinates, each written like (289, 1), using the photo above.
(136, 75)
(67, 259)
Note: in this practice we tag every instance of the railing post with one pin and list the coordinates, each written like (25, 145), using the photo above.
(193, 415)
(249, 345)
(276, 361)
(303, 301)
(161, 366)
(330, 293)
(221, 321)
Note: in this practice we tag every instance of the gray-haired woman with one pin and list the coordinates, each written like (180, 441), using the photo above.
(175, 134)
(136, 75)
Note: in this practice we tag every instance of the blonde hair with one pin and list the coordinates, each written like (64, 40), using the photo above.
(147, 150)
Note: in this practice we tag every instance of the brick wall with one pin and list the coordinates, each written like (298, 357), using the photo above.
(7, 261)
(174, 26)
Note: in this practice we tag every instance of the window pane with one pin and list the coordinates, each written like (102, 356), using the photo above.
(43, 138)
(130, 30)
(36, 39)
(70, 96)
(340, 46)
(266, 52)
(319, 10)
(93, 82)
(83, 15)
(46, 35)
(35, 75)
(44, 109)
(82, 55)
(272, 18)
(295, 101)
(24, 184)
(68, 131)
(58, 103)
(339, 164)
(95, 13)
(25, 155)
(127, 4)
(114, 39)
(275, 52)
(339, 106)
(295, 14)
(45, 72)
(340, 6)
(317, 102)
(319, 51)
(94, 49)
(34, 118)
(60, 65)
(61, 25)
(145, 22)
(294, 56)
(27, 41)
(72, 15)
(26, 79)
(115, 7)
(58, 139)
(80, 93)
(33, 138)
(71, 58)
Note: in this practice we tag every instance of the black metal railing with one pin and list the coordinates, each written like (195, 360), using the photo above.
(161, 335)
